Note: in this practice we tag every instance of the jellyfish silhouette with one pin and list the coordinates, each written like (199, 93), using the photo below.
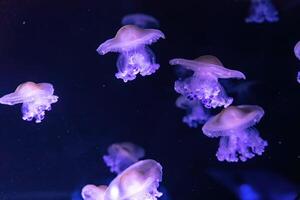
(122, 155)
(196, 113)
(239, 139)
(262, 11)
(203, 84)
(141, 20)
(92, 192)
(135, 57)
(36, 98)
(297, 54)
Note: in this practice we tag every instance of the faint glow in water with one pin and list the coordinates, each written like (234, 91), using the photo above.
(246, 192)
(239, 139)
(35, 99)
(203, 85)
(141, 20)
(122, 155)
(262, 11)
(196, 114)
(135, 57)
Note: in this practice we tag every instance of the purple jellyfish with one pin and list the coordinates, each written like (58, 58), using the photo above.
(196, 113)
(122, 155)
(297, 54)
(36, 98)
(203, 84)
(262, 11)
(239, 139)
(138, 182)
(135, 57)
(140, 20)
(92, 192)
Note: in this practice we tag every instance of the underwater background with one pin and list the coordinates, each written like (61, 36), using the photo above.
(56, 42)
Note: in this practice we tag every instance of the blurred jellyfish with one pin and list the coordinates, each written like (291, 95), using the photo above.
(239, 139)
(203, 84)
(196, 113)
(297, 54)
(135, 57)
(122, 155)
(92, 192)
(36, 98)
(262, 11)
(138, 182)
(140, 20)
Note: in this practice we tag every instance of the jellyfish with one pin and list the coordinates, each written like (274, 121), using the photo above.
(138, 182)
(36, 98)
(92, 192)
(262, 11)
(297, 54)
(140, 20)
(135, 56)
(196, 113)
(239, 139)
(203, 83)
(122, 155)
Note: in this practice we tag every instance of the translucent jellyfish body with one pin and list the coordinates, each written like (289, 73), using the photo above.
(36, 98)
(138, 182)
(140, 20)
(262, 11)
(196, 113)
(135, 57)
(239, 139)
(203, 84)
(92, 192)
(122, 155)
(297, 54)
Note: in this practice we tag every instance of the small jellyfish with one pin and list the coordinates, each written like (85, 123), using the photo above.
(122, 155)
(262, 11)
(138, 182)
(135, 57)
(36, 98)
(297, 54)
(140, 20)
(92, 192)
(196, 113)
(239, 139)
(203, 84)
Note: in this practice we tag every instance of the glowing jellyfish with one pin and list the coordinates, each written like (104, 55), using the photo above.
(138, 182)
(92, 192)
(239, 139)
(203, 84)
(140, 20)
(297, 54)
(36, 98)
(135, 57)
(196, 113)
(122, 155)
(262, 11)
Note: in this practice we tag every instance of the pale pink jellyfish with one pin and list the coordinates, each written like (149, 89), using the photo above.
(141, 20)
(135, 57)
(297, 54)
(138, 182)
(122, 155)
(36, 98)
(196, 114)
(203, 84)
(239, 139)
(92, 192)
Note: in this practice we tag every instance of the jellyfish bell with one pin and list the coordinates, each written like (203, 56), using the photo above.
(92, 192)
(141, 20)
(262, 11)
(122, 155)
(135, 57)
(138, 182)
(297, 50)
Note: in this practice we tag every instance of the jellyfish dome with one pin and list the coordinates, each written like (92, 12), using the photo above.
(36, 98)
(262, 11)
(122, 155)
(239, 139)
(203, 84)
(196, 113)
(297, 50)
(141, 20)
(135, 57)
(138, 182)
(92, 192)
